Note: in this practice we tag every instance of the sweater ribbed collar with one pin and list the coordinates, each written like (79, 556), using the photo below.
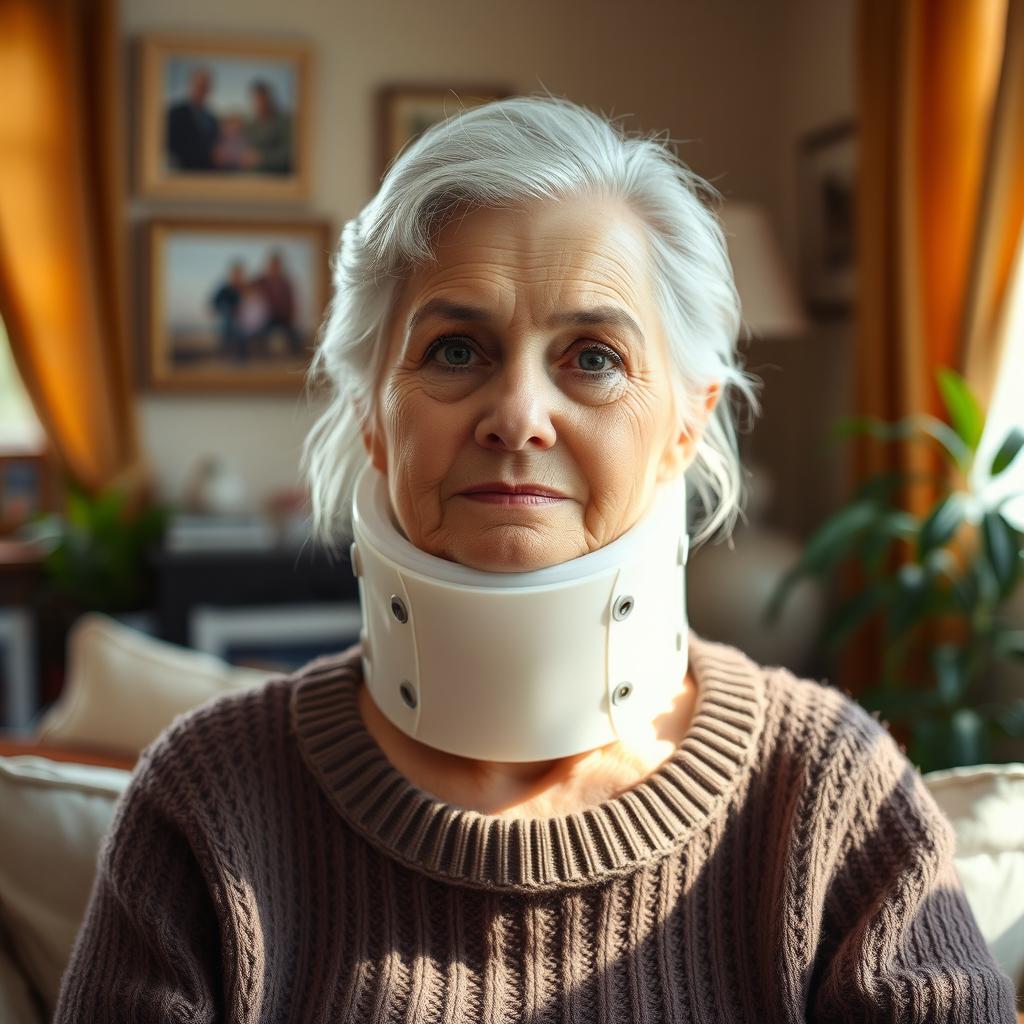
(489, 851)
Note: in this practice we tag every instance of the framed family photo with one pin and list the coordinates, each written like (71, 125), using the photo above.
(827, 173)
(221, 118)
(406, 110)
(233, 305)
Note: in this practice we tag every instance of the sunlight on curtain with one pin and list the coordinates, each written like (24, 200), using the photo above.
(19, 427)
(1006, 409)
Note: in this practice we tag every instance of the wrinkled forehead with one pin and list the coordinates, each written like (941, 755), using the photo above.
(579, 249)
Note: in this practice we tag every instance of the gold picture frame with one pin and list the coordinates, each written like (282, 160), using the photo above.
(245, 136)
(232, 305)
(404, 110)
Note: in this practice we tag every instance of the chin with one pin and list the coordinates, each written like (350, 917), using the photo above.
(513, 556)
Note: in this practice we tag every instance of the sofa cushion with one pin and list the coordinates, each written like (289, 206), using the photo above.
(985, 804)
(123, 687)
(53, 816)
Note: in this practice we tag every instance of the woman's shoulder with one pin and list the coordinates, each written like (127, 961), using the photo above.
(851, 766)
(816, 724)
(800, 700)
(823, 706)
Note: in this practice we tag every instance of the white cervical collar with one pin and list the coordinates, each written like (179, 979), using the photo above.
(521, 666)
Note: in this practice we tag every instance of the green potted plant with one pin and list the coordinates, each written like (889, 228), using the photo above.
(96, 550)
(938, 585)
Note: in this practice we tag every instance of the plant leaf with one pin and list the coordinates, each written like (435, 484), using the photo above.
(831, 542)
(835, 537)
(78, 511)
(951, 678)
(873, 551)
(890, 525)
(1010, 643)
(940, 525)
(970, 737)
(964, 412)
(909, 428)
(778, 596)
(850, 614)
(1002, 548)
(961, 739)
(913, 591)
(1008, 451)
(1011, 717)
(879, 486)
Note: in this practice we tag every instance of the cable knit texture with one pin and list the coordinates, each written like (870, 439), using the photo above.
(268, 863)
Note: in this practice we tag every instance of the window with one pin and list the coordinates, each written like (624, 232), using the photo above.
(1006, 409)
(19, 428)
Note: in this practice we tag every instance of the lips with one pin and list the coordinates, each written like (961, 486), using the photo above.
(500, 487)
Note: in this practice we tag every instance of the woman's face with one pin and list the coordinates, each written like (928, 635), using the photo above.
(530, 353)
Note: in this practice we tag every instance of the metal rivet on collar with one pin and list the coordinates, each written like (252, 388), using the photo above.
(623, 606)
(622, 692)
(398, 609)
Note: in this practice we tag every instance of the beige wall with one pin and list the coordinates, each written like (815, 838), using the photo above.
(738, 78)
(807, 381)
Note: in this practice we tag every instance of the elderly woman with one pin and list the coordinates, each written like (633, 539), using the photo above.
(529, 792)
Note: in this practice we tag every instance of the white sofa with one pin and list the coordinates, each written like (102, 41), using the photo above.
(53, 814)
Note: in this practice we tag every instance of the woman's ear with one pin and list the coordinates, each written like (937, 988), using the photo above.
(681, 449)
(373, 441)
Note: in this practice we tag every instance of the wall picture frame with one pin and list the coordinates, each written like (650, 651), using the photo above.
(406, 109)
(223, 118)
(27, 486)
(826, 191)
(232, 305)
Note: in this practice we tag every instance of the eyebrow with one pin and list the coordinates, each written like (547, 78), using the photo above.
(606, 315)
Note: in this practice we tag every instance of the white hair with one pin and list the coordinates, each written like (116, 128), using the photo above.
(501, 154)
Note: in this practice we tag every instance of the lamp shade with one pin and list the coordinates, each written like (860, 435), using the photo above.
(771, 306)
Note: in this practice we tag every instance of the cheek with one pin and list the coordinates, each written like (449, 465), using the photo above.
(625, 432)
(617, 449)
(421, 433)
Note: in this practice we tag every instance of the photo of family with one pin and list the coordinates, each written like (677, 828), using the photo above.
(228, 137)
(253, 310)
(222, 123)
(233, 305)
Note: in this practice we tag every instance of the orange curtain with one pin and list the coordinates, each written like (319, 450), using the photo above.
(1000, 219)
(938, 211)
(62, 261)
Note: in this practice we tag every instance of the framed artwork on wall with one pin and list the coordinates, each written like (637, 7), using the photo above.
(26, 487)
(232, 305)
(223, 118)
(826, 170)
(404, 111)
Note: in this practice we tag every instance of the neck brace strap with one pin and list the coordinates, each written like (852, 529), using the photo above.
(522, 666)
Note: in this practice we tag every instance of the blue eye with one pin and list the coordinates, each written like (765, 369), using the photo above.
(605, 353)
(454, 342)
(448, 342)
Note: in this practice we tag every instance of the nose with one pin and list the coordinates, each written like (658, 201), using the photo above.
(517, 409)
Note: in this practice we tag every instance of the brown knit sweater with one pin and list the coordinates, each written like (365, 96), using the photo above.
(268, 863)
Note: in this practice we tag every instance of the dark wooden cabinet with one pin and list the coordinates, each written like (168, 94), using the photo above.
(279, 576)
